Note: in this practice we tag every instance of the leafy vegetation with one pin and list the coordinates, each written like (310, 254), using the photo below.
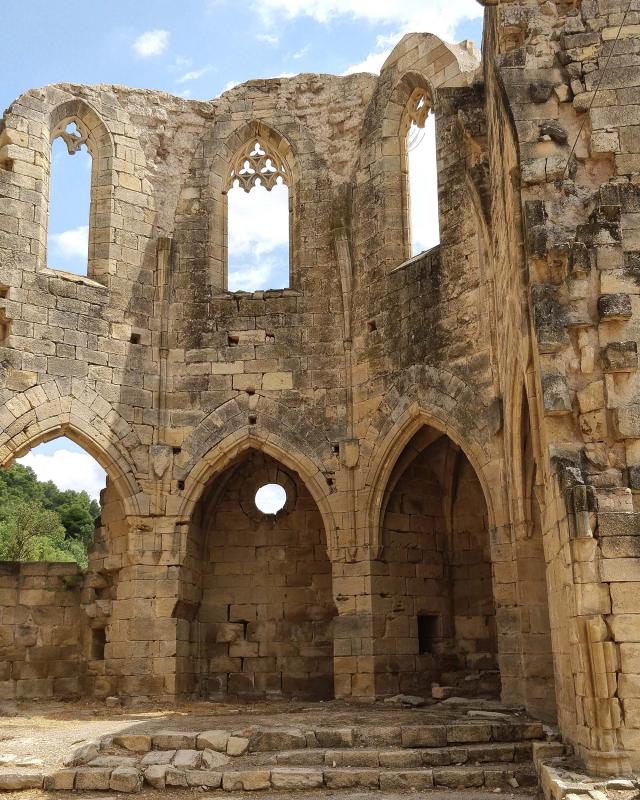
(38, 522)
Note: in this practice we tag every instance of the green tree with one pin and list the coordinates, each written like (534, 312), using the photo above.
(75, 514)
(19, 483)
(28, 531)
(40, 522)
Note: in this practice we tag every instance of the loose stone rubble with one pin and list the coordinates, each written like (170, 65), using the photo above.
(457, 433)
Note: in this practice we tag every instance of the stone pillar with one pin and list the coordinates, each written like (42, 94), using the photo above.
(131, 595)
(353, 629)
(588, 631)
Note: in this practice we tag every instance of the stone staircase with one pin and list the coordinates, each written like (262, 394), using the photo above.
(496, 753)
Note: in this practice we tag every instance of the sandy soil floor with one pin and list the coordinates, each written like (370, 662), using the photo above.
(190, 794)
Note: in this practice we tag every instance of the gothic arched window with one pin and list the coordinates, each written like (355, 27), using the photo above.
(421, 173)
(258, 219)
(69, 200)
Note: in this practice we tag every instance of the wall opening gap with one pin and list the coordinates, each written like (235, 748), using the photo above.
(423, 186)
(69, 203)
(98, 642)
(258, 220)
(50, 504)
(427, 632)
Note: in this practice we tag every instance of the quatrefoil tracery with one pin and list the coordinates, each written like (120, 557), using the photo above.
(257, 165)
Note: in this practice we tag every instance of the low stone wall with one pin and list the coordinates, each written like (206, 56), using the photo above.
(41, 630)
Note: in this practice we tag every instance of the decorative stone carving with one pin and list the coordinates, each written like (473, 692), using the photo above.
(258, 164)
(71, 136)
(161, 456)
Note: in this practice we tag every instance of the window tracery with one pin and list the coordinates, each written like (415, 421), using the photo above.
(257, 165)
(71, 135)
(417, 109)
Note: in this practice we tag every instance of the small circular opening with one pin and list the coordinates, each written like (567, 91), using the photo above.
(271, 498)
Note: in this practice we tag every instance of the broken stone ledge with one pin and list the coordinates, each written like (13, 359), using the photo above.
(560, 778)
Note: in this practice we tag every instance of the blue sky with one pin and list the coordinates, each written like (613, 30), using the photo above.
(199, 48)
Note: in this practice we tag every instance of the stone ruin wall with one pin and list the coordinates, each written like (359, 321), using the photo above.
(43, 631)
(577, 151)
(516, 338)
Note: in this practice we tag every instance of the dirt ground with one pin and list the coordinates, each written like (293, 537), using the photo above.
(191, 794)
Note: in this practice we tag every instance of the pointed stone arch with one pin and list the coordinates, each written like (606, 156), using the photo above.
(92, 132)
(223, 165)
(48, 421)
(404, 107)
(420, 62)
(389, 451)
(223, 453)
(239, 562)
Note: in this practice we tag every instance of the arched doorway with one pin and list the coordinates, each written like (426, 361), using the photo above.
(58, 507)
(261, 582)
(432, 589)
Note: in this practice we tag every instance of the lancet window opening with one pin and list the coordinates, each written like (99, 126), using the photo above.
(257, 232)
(70, 198)
(418, 148)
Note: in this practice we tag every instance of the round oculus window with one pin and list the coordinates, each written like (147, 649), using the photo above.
(270, 498)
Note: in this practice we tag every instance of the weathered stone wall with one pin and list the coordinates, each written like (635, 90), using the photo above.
(43, 631)
(263, 625)
(515, 340)
(568, 78)
(175, 372)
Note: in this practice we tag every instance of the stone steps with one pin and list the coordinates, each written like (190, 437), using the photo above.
(279, 739)
(463, 754)
(130, 779)
(500, 752)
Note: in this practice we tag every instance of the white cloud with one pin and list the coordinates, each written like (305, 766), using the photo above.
(372, 63)
(73, 243)
(417, 14)
(439, 17)
(194, 74)
(249, 277)
(270, 498)
(302, 52)
(258, 220)
(230, 85)
(180, 64)
(151, 43)
(423, 187)
(267, 38)
(68, 470)
(258, 238)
